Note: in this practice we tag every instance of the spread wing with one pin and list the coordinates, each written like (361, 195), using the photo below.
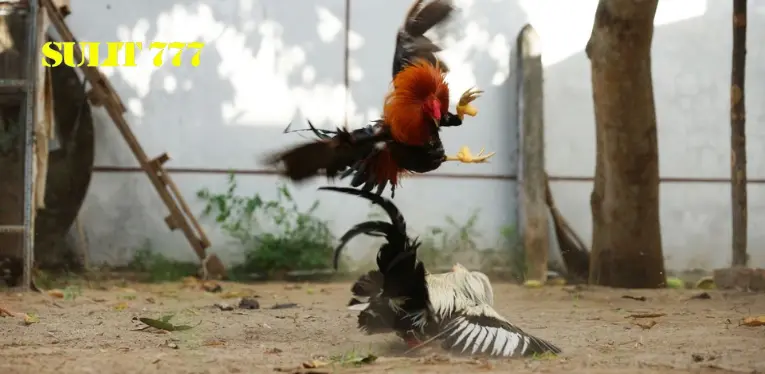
(479, 329)
(411, 43)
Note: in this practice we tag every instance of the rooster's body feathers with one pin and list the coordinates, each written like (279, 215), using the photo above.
(455, 307)
(404, 140)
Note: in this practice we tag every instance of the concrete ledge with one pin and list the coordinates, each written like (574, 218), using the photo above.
(740, 278)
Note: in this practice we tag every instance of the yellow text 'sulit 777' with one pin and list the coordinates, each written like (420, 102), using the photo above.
(57, 53)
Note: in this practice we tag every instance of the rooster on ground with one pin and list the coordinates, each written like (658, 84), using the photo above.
(455, 307)
(406, 138)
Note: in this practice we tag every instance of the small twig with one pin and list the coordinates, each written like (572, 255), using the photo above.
(646, 315)
(638, 298)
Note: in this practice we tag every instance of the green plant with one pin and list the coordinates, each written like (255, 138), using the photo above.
(444, 245)
(275, 235)
(513, 252)
(158, 267)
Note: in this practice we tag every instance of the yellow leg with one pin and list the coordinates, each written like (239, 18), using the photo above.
(466, 157)
(464, 107)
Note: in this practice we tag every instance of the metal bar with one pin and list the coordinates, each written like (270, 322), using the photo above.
(11, 229)
(32, 63)
(13, 83)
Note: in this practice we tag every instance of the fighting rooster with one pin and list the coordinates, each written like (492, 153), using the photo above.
(455, 307)
(406, 139)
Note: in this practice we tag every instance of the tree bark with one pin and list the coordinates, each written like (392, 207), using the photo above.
(738, 136)
(626, 241)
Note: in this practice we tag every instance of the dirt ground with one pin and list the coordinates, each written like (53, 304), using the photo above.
(95, 332)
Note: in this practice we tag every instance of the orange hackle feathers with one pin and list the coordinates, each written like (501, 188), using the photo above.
(403, 111)
(385, 168)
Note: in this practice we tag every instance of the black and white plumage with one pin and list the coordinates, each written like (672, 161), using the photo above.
(454, 307)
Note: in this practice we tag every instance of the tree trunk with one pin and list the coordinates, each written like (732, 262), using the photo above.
(626, 239)
(737, 134)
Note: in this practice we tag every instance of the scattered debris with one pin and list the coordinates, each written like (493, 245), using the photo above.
(544, 356)
(701, 296)
(27, 319)
(638, 298)
(753, 321)
(274, 351)
(164, 323)
(435, 359)
(699, 357)
(249, 303)
(196, 283)
(121, 306)
(675, 283)
(355, 359)
(30, 319)
(646, 315)
(532, 284)
(314, 364)
(237, 294)
(483, 364)
(645, 325)
(224, 307)
(212, 287)
(6, 313)
(301, 370)
(706, 283)
(284, 306)
(214, 343)
(170, 344)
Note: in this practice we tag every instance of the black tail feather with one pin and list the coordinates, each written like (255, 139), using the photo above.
(395, 215)
(366, 287)
(372, 228)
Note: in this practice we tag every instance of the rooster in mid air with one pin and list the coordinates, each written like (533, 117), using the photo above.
(455, 307)
(406, 138)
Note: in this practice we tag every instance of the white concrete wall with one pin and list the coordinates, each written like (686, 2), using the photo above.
(270, 62)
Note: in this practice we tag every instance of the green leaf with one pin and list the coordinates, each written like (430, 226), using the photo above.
(157, 324)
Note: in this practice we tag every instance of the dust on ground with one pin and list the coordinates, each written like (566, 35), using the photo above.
(95, 332)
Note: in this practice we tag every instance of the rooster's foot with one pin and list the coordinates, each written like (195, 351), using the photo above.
(464, 107)
(466, 157)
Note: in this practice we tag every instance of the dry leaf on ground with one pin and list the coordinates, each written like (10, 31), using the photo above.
(6, 313)
(28, 319)
(645, 325)
(753, 321)
(59, 294)
(214, 343)
(314, 364)
(121, 306)
(646, 315)
(163, 323)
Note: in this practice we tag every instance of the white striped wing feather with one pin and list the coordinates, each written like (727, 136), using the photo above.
(480, 329)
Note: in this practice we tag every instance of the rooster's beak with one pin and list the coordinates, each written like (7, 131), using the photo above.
(437, 122)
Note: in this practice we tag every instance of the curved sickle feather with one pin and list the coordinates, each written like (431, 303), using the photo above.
(395, 215)
(371, 228)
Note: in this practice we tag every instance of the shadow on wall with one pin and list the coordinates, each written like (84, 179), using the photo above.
(691, 71)
(267, 63)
